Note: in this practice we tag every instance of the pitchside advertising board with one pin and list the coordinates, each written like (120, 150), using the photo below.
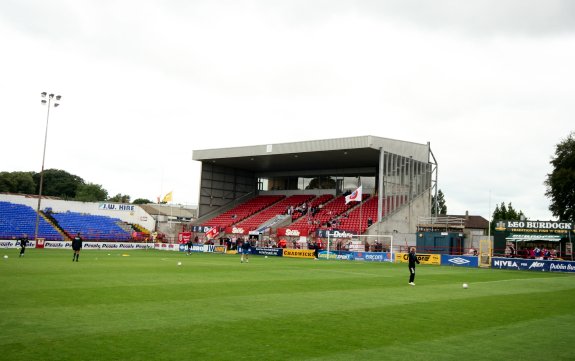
(532, 265)
(298, 253)
(202, 248)
(422, 257)
(339, 255)
(15, 244)
(262, 251)
(99, 245)
(85, 245)
(356, 256)
(459, 261)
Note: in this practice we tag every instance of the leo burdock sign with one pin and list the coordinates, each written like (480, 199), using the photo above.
(534, 227)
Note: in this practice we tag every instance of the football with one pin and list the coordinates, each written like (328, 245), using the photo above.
(465, 285)
(5, 256)
(179, 263)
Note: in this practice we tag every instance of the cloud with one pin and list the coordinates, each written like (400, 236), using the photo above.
(488, 83)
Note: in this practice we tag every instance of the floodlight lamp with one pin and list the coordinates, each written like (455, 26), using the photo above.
(43, 101)
(56, 104)
(43, 94)
(58, 97)
(51, 96)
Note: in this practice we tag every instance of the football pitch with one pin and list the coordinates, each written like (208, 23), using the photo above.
(140, 305)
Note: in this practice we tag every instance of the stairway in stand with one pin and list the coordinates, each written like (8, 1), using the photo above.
(48, 218)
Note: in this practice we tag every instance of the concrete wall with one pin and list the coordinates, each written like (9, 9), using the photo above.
(404, 219)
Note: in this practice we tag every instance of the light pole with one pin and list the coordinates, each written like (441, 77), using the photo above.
(50, 100)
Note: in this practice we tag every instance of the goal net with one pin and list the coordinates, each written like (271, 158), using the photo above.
(374, 243)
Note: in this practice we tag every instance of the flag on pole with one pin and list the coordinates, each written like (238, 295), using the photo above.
(212, 233)
(355, 196)
(167, 197)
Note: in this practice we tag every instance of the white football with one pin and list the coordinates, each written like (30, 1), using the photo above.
(465, 285)
(266, 256)
(5, 256)
(179, 263)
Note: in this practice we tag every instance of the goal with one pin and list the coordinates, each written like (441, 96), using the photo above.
(361, 243)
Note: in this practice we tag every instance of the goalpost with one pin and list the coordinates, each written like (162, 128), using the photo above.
(361, 243)
(485, 252)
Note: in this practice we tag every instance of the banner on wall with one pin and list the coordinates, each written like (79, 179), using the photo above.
(184, 237)
(117, 207)
(292, 232)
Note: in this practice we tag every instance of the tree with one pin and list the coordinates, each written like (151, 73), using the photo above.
(321, 183)
(120, 198)
(17, 182)
(560, 182)
(141, 201)
(5, 182)
(58, 183)
(91, 193)
(506, 213)
(441, 206)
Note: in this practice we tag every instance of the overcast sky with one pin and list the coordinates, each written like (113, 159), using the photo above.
(490, 84)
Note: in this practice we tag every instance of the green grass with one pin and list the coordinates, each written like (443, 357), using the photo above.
(145, 307)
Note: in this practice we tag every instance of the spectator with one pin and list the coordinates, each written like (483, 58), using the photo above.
(537, 252)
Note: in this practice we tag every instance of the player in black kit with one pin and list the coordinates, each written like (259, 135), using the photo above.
(23, 244)
(412, 261)
(77, 247)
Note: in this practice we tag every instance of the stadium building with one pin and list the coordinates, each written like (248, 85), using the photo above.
(261, 189)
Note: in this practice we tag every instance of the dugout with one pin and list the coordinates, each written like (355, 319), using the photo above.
(524, 235)
(440, 242)
(403, 173)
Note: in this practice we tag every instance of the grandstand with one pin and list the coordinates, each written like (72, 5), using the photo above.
(242, 211)
(398, 179)
(250, 189)
(60, 220)
(17, 219)
(271, 212)
(94, 228)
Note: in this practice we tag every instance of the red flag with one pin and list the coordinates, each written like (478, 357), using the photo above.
(354, 197)
(212, 233)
